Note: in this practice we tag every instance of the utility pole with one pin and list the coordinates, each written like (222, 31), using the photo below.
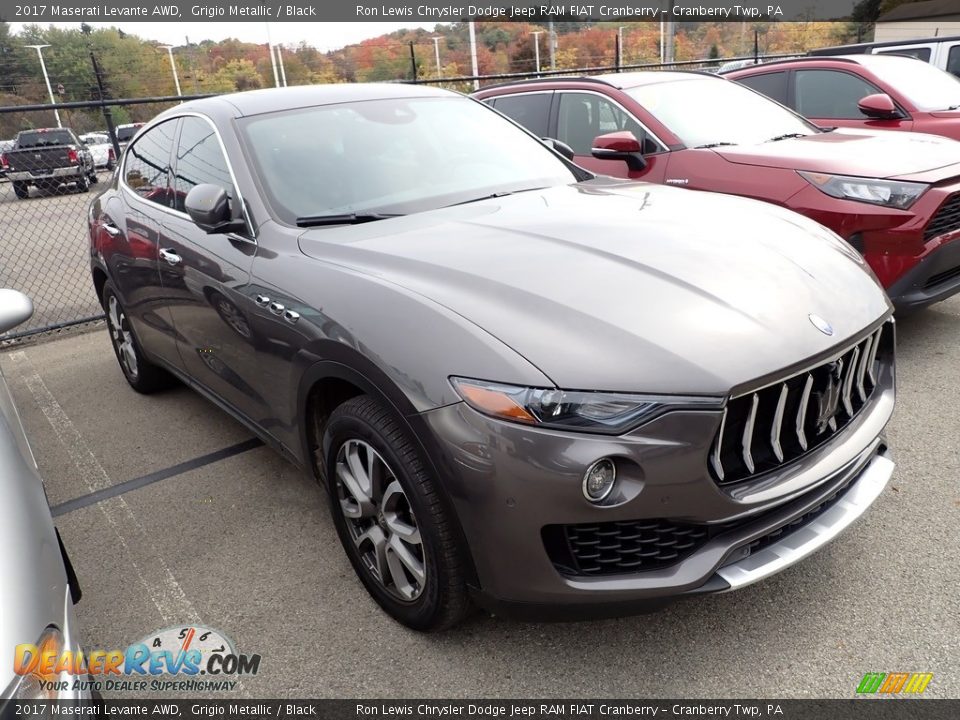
(553, 46)
(668, 41)
(283, 72)
(473, 55)
(436, 51)
(413, 62)
(536, 47)
(107, 114)
(619, 48)
(43, 66)
(173, 66)
(273, 60)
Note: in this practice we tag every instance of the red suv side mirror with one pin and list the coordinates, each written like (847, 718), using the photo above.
(879, 106)
(622, 145)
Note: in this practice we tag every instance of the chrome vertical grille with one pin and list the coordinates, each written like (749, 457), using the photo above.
(776, 424)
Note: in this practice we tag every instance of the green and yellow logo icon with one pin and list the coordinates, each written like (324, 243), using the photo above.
(894, 683)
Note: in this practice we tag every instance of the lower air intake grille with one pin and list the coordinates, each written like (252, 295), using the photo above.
(781, 422)
(946, 219)
(621, 547)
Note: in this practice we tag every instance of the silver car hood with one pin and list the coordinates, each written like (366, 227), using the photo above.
(32, 579)
(626, 286)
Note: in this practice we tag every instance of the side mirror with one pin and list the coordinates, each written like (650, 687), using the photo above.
(209, 208)
(560, 147)
(622, 145)
(879, 106)
(15, 308)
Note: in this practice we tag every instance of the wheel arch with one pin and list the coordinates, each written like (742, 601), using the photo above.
(327, 383)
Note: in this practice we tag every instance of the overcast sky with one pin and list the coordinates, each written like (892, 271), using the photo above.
(321, 35)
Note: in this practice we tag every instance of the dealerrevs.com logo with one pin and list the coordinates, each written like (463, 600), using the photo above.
(198, 659)
(902, 683)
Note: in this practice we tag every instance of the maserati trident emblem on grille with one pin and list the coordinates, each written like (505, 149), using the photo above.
(820, 324)
(828, 399)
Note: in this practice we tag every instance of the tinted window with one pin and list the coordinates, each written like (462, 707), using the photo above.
(921, 53)
(773, 85)
(583, 116)
(125, 133)
(831, 94)
(199, 160)
(953, 61)
(147, 163)
(532, 111)
(393, 156)
(44, 138)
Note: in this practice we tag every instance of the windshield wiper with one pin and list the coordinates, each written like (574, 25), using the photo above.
(712, 145)
(786, 136)
(342, 219)
(500, 194)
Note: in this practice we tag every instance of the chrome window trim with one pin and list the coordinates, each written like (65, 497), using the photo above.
(252, 238)
(650, 134)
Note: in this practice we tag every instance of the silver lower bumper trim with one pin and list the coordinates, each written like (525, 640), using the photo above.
(796, 546)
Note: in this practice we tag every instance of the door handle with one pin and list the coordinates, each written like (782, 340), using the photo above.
(276, 308)
(262, 300)
(110, 229)
(291, 316)
(170, 256)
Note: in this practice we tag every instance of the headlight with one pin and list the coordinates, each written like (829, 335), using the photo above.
(889, 193)
(37, 685)
(603, 412)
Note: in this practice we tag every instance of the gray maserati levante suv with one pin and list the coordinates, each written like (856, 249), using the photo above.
(523, 386)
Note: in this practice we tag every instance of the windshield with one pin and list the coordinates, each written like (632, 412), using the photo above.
(393, 157)
(43, 138)
(927, 87)
(710, 111)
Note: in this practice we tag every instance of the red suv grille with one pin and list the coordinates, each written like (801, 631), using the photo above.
(946, 219)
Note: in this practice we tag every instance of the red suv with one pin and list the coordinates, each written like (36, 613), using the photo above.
(895, 197)
(881, 92)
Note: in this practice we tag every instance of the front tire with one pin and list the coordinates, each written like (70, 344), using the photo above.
(390, 518)
(142, 375)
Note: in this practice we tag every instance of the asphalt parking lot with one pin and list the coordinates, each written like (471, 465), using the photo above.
(245, 544)
(44, 251)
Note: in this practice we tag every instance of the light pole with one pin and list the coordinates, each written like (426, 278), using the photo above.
(536, 47)
(273, 60)
(620, 46)
(283, 72)
(436, 51)
(173, 66)
(473, 54)
(43, 66)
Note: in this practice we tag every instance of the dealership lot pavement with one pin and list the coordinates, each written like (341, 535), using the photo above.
(245, 544)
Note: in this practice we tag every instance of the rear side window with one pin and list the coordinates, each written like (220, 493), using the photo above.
(831, 94)
(147, 164)
(921, 53)
(199, 160)
(773, 85)
(531, 110)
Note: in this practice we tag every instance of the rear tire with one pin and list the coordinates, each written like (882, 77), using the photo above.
(142, 375)
(83, 183)
(21, 190)
(392, 523)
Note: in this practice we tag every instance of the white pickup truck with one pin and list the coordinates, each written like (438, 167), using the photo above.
(942, 52)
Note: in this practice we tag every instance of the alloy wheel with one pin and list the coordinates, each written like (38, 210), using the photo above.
(122, 337)
(381, 520)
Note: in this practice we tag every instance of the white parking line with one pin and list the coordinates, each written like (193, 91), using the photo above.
(167, 595)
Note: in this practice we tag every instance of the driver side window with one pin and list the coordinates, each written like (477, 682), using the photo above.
(584, 116)
(199, 160)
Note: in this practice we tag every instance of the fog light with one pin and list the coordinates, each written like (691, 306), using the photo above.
(598, 480)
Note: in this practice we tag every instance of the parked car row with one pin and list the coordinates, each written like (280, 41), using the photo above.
(894, 197)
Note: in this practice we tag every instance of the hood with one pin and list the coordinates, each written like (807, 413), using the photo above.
(625, 286)
(862, 153)
(32, 579)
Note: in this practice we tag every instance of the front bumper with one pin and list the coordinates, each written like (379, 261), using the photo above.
(509, 482)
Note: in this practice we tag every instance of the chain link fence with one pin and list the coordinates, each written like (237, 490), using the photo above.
(44, 242)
